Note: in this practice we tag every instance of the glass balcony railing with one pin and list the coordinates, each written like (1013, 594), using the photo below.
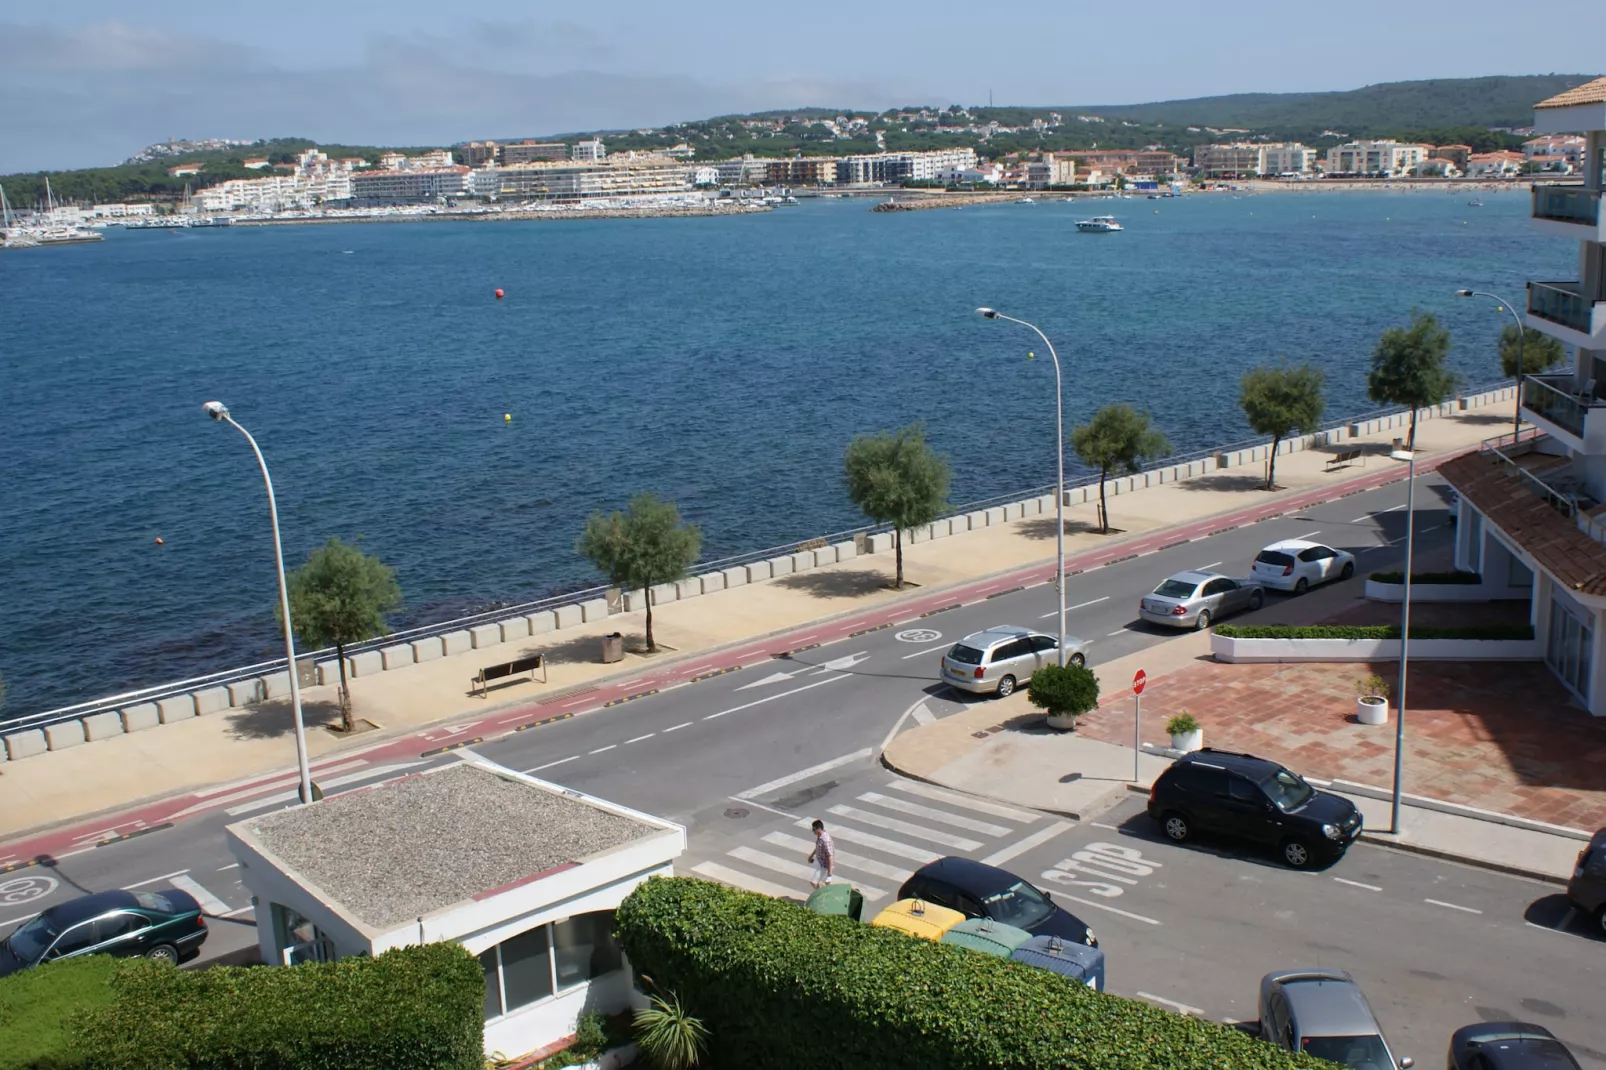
(1567, 204)
(1551, 397)
(1560, 302)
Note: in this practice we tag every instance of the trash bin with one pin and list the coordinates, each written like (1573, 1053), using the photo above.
(613, 648)
(1075, 961)
(839, 899)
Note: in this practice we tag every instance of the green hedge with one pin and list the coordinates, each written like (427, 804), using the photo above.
(1372, 631)
(781, 987)
(1470, 579)
(421, 1008)
(35, 1005)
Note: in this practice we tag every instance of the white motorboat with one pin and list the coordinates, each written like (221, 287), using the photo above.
(1025, 200)
(1099, 224)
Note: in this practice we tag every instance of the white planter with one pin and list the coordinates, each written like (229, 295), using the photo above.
(1439, 592)
(1187, 741)
(1226, 648)
(1372, 710)
(1064, 722)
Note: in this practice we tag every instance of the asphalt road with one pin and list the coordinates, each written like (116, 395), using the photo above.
(692, 752)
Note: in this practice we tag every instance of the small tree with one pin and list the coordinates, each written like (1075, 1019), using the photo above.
(1064, 692)
(341, 596)
(642, 547)
(896, 479)
(1118, 438)
(1408, 367)
(1540, 352)
(1281, 401)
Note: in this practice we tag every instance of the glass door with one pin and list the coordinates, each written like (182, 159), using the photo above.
(1570, 651)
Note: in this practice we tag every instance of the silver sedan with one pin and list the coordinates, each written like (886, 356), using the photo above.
(1194, 599)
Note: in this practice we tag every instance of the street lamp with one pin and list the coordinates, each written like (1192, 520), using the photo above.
(220, 412)
(1522, 337)
(1405, 631)
(1059, 459)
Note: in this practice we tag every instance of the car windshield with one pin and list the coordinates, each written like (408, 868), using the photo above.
(30, 941)
(1287, 790)
(1176, 589)
(1274, 557)
(155, 901)
(969, 655)
(1019, 905)
(1362, 1053)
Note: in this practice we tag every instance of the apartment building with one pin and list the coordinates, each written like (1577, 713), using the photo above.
(1568, 146)
(1385, 157)
(479, 153)
(1226, 161)
(896, 167)
(1287, 158)
(1494, 164)
(414, 185)
(1533, 507)
(313, 180)
(577, 180)
(745, 170)
(1159, 163)
(1456, 154)
(801, 171)
(531, 152)
(1051, 170)
(588, 151)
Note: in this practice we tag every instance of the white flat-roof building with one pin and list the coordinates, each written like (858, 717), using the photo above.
(523, 873)
(1384, 157)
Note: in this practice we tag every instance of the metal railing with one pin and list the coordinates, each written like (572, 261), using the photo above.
(1508, 448)
(1561, 302)
(1551, 397)
(1566, 204)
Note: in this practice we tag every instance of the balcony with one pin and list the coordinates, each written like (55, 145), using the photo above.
(1561, 310)
(1568, 211)
(1554, 403)
(1546, 475)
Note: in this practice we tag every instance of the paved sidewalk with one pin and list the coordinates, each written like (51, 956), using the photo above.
(97, 777)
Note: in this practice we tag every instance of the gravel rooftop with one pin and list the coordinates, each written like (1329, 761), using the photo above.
(397, 852)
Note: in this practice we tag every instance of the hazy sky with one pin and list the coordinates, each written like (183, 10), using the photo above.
(92, 81)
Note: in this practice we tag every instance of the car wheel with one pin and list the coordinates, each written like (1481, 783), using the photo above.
(1204, 620)
(1349, 570)
(1078, 660)
(1302, 586)
(1177, 829)
(163, 953)
(1296, 854)
(1600, 920)
(1006, 687)
(1256, 600)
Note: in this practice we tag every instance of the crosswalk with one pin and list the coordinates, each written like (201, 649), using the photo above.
(882, 836)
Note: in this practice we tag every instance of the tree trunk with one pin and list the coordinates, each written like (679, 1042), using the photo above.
(1104, 515)
(1410, 443)
(346, 724)
(897, 549)
(652, 647)
(1271, 464)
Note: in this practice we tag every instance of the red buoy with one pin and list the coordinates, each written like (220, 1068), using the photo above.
(499, 295)
(159, 541)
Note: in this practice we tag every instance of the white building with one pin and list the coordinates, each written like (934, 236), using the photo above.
(1051, 170)
(1386, 157)
(1494, 164)
(1570, 146)
(316, 180)
(1533, 512)
(1286, 158)
(411, 186)
(524, 874)
(745, 170)
(588, 150)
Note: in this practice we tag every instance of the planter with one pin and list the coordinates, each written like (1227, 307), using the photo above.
(1065, 722)
(1372, 710)
(1226, 648)
(1441, 592)
(1187, 741)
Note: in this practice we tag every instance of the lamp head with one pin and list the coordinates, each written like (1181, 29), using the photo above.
(988, 313)
(215, 409)
(1463, 293)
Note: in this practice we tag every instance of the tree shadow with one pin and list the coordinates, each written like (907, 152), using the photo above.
(837, 584)
(1243, 482)
(1483, 418)
(1042, 529)
(274, 718)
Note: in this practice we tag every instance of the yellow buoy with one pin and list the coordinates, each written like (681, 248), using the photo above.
(1031, 356)
(507, 417)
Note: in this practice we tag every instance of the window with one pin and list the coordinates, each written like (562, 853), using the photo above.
(1287, 790)
(1311, 554)
(1219, 586)
(1474, 541)
(1014, 649)
(526, 968)
(965, 655)
(1044, 642)
(585, 948)
(74, 939)
(1179, 589)
(533, 965)
(1241, 791)
(1275, 558)
(1202, 780)
(110, 928)
(493, 984)
(1571, 647)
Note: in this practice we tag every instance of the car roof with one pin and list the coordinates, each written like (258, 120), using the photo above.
(1514, 1046)
(993, 636)
(977, 878)
(88, 906)
(1194, 575)
(1293, 544)
(1240, 763)
(1327, 1003)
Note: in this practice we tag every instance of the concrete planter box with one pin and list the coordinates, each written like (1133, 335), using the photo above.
(426, 649)
(24, 744)
(825, 556)
(881, 542)
(803, 560)
(690, 588)
(845, 551)
(780, 566)
(594, 609)
(758, 571)
(515, 629)
(248, 691)
(102, 726)
(662, 595)
(711, 582)
(541, 623)
(567, 617)
(1372, 710)
(1440, 592)
(995, 516)
(1238, 651)
(64, 735)
(457, 642)
(1187, 742)
(368, 663)
(394, 657)
(736, 577)
(274, 685)
(183, 707)
(484, 635)
(138, 718)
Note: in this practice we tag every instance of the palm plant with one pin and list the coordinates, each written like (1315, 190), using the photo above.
(669, 1037)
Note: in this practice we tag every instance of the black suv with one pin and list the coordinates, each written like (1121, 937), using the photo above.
(1253, 799)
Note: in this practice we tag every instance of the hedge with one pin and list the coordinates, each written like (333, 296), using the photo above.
(1470, 579)
(419, 1007)
(781, 987)
(1371, 631)
(35, 1005)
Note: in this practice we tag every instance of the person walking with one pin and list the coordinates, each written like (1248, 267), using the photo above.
(823, 856)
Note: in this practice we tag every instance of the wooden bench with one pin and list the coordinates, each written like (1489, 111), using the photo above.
(506, 669)
(1338, 460)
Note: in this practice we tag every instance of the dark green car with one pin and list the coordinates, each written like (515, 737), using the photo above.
(165, 925)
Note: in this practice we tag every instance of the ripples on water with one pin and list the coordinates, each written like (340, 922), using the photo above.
(722, 362)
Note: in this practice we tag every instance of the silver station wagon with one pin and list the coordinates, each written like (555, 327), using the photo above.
(998, 660)
(1194, 599)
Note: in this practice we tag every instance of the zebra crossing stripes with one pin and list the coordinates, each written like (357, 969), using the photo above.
(844, 859)
(725, 875)
(892, 824)
(953, 798)
(887, 802)
(792, 869)
(918, 855)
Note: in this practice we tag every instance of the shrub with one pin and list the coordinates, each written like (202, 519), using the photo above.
(419, 1007)
(1064, 690)
(1373, 686)
(1470, 579)
(770, 979)
(593, 1034)
(668, 1037)
(1181, 724)
(1372, 631)
(36, 1004)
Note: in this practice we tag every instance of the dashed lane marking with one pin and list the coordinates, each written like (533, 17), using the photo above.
(1453, 906)
(638, 739)
(130, 835)
(804, 774)
(926, 650)
(678, 727)
(609, 747)
(1079, 605)
(772, 698)
(1358, 884)
(549, 765)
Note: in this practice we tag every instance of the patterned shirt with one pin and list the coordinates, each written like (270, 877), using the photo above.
(824, 850)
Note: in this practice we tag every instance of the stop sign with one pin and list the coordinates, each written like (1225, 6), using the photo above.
(1139, 678)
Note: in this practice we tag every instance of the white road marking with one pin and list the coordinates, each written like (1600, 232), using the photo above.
(922, 715)
(678, 727)
(927, 650)
(155, 880)
(638, 739)
(1378, 512)
(898, 724)
(1206, 568)
(914, 809)
(695, 669)
(261, 783)
(1453, 906)
(804, 774)
(609, 747)
(1041, 836)
(577, 702)
(549, 765)
(842, 664)
(1358, 884)
(1102, 825)
(772, 678)
(236, 912)
(761, 806)
(792, 869)
(1117, 631)
(1308, 534)
(1106, 906)
(843, 858)
(954, 798)
(210, 904)
(25, 917)
(772, 698)
(335, 782)
(847, 834)
(737, 879)
(1182, 1008)
(908, 828)
(231, 865)
(266, 785)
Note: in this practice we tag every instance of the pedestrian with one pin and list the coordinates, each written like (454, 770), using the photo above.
(823, 856)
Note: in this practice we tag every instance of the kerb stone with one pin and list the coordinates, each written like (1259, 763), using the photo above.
(102, 725)
(138, 718)
(64, 735)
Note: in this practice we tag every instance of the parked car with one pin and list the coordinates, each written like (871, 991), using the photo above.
(1254, 799)
(999, 660)
(1194, 599)
(1323, 1013)
(1296, 565)
(1587, 889)
(1508, 1046)
(165, 925)
(978, 890)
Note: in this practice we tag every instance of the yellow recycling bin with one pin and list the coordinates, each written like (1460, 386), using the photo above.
(916, 917)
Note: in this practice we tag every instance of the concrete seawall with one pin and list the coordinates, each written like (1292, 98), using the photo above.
(398, 656)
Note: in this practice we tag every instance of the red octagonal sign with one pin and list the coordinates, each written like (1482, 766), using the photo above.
(1139, 678)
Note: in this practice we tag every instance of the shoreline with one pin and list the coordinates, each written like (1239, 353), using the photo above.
(543, 214)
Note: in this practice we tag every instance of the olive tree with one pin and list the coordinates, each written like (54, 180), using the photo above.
(897, 479)
(1280, 401)
(1117, 439)
(1408, 367)
(340, 596)
(641, 547)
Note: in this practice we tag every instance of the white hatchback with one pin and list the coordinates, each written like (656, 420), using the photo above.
(1296, 565)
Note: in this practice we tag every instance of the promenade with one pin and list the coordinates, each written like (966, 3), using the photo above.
(697, 637)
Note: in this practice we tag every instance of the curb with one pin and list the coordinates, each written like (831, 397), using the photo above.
(1108, 801)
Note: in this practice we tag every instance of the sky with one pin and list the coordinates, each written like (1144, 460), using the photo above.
(92, 82)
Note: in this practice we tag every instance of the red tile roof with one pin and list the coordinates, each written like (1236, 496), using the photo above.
(1588, 93)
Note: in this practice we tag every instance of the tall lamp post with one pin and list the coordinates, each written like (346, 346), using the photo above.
(1059, 460)
(1405, 632)
(220, 412)
(1522, 337)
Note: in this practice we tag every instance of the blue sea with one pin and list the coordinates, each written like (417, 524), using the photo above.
(721, 362)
